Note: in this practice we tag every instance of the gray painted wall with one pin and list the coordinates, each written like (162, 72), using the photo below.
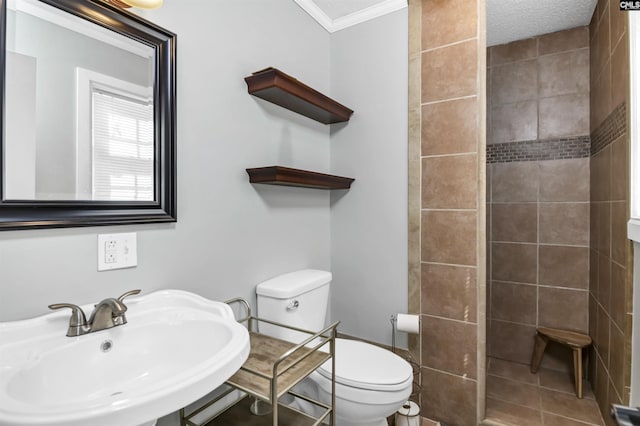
(232, 235)
(369, 223)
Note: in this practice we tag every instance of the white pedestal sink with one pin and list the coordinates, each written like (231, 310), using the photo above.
(176, 348)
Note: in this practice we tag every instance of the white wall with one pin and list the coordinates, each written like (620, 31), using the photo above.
(369, 223)
(230, 234)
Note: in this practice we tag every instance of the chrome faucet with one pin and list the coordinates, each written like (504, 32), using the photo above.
(108, 313)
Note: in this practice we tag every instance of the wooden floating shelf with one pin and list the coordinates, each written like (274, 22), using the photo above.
(277, 175)
(274, 86)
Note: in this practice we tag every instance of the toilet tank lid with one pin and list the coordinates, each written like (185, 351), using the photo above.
(293, 284)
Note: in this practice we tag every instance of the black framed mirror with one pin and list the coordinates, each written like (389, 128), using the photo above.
(88, 116)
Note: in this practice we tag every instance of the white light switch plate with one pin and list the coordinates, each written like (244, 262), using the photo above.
(117, 251)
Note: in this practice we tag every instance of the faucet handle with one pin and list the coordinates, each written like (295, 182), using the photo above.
(77, 322)
(128, 293)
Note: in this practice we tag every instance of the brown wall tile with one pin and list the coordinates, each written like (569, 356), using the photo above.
(444, 22)
(618, 22)
(439, 136)
(604, 281)
(515, 82)
(448, 398)
(514, 222)
(514, 262)
(601, 175)
(593, 226)
(600, 97)
(564, 73)
(449, 291)
(564, 180)
(561, 41)
(604, 228)
(561, 308)
(593, 272)
(514, 51)
(450, 182)
(449, 237)
(511, 341)
(601, 339)
(620, 73)
(514, 122)
(599, 46)
(564, 223)
(566, 115)
(593, 318)
(449, 345)
(596, 17)
(618, 300)
(620, 244)
(515, 182)
(619, 169)
(564, 266)
(489, 178)
(514, 302)
(451, 90)
(450, 72)
(616, 362)
(601, 384)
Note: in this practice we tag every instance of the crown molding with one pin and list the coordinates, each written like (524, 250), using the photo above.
(333, 25)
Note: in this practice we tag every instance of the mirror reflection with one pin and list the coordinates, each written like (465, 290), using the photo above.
(79, 113)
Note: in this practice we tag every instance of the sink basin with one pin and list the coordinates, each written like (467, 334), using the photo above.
(176, 347)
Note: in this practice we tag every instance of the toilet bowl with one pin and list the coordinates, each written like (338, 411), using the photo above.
(371, 383)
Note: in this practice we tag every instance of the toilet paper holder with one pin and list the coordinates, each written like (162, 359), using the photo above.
(414, 365)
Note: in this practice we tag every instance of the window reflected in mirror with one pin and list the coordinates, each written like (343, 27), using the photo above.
(79, 122)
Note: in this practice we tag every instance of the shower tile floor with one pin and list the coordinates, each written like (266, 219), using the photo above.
(515, 397)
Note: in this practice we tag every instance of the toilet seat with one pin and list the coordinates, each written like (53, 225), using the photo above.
(365, 366)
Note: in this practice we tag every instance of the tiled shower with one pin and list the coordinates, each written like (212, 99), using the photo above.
(538, 192)
(556, 209)
(557, 203)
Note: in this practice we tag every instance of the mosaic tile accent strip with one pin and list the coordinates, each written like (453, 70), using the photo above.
(611, 129)
(539, 150)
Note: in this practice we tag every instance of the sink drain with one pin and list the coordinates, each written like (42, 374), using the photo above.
(106, 346)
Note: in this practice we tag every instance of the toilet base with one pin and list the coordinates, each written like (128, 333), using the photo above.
(341, 422)
(375, 415)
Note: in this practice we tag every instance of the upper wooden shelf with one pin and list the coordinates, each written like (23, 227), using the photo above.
(273, 85)
(278, 175)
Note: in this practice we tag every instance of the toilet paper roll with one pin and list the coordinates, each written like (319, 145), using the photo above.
(408, 323)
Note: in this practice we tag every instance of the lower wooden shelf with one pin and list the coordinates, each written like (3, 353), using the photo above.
(278, 175)
(239, 415)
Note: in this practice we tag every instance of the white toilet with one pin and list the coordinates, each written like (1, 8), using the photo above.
(371, 382)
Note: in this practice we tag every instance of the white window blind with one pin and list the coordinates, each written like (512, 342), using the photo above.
(122, 136)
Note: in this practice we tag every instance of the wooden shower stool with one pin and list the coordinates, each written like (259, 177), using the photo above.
(574, 340)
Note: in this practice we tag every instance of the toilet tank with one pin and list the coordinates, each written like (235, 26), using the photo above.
(297, 299)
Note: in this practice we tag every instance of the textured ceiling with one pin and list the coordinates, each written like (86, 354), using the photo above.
(507, 20)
